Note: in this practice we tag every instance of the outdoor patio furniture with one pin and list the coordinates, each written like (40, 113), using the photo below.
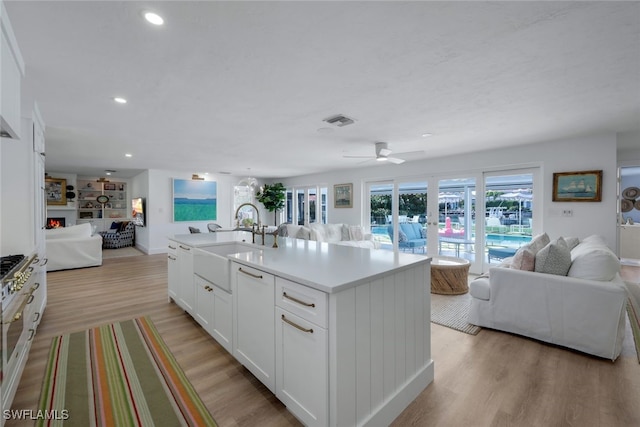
(414, 236)
(500, 253)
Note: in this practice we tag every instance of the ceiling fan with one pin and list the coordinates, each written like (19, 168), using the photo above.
(383, 154)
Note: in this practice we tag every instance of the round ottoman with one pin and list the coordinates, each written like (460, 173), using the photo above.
(449, 275)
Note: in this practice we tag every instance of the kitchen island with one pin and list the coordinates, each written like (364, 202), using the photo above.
(340, 334)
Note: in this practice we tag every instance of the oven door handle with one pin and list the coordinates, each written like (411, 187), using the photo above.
(20, 311)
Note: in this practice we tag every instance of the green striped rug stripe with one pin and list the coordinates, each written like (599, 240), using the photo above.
(121, 374)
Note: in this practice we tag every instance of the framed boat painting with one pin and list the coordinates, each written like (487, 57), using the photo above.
(343, 196)
(56, 191)
(583, 186)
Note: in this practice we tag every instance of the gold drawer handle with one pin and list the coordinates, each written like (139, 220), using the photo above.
(296, 325)
(172, 258)
(306, 304)
(186, 248)
(250, 274)
(171, 247)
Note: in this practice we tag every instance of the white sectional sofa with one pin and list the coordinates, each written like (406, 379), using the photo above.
(73, 247)
(339, 234)
(572, 297)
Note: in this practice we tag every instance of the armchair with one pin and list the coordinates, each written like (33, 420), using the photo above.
(119, 237)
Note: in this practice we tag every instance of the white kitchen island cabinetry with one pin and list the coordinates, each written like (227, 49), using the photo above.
(173, 270)
(340, 334)
(253, 325)
(213, 311)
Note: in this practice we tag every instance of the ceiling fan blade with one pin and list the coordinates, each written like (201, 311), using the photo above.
(395, 160)
(410, 153)
(359, 157)
(384, 152)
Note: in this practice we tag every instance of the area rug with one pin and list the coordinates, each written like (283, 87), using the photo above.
(120, 253)
(121, 374)
(633, 310)
(452, 311)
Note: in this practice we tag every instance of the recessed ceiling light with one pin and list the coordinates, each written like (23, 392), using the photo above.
(427, 135)
(120, 100)
(128, 155)
(153, 18)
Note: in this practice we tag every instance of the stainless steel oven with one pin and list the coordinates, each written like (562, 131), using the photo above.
(18, 287)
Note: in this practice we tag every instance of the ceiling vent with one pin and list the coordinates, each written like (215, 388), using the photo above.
(339, 120)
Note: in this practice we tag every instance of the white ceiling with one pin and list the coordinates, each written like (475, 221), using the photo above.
(243, 87)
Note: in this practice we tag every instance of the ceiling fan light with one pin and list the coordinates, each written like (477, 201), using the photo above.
(381, 159)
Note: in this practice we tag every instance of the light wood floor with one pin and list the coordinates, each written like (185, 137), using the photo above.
(491, 379)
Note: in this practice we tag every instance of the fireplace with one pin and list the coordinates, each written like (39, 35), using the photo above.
(55, 222)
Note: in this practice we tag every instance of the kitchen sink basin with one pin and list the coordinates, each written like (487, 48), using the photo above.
(211, 262)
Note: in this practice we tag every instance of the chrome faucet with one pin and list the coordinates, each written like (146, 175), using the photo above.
(254, 230)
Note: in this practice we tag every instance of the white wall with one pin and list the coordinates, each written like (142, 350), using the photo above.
(160, 212)
(585, 153)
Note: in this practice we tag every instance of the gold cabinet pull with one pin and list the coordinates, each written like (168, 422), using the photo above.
(186, 248)
(306, 304)
(172, 258)
(171, 247)
(296, 325)
(250, 274)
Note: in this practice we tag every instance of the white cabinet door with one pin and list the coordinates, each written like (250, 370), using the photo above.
(173, 271)
(302, 365)
(186, 290)
(204, 303)
(222, 329)
(254, 334)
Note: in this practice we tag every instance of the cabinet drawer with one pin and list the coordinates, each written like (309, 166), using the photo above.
(308, 303)
(257, 275)
(172, 248)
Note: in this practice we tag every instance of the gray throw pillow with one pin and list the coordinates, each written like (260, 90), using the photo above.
(555, 258)
(402, 236)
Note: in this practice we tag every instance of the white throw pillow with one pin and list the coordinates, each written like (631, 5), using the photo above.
(555, 258)
(303, 233)
(356, 233)
(598, 263)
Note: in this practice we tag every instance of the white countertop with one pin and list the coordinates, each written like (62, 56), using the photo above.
(322, 266)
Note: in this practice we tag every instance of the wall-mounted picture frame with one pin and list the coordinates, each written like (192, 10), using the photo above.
(56, 191)
(194, 200)
(582, 186)
(343, 196)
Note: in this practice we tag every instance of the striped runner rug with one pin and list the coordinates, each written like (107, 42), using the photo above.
(121, 374)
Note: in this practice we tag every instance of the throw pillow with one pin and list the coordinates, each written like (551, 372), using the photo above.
(538, 242)
(598, 263)
(524, 259)
(303, 233)
(555, 258)
(356, 233)
(123, 225)
(114, 226)
(572, 242)
(402, 236)
(423, 233)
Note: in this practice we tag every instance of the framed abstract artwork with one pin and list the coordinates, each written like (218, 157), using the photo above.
(194, 200)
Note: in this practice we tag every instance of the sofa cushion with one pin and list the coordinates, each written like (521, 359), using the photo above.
(73, 232)
(326, 232)
(554, 258)
(524, 259)
(480, 288)
(594, 261)
(402, 236)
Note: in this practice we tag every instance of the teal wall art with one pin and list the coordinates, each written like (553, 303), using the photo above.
(194, 200)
